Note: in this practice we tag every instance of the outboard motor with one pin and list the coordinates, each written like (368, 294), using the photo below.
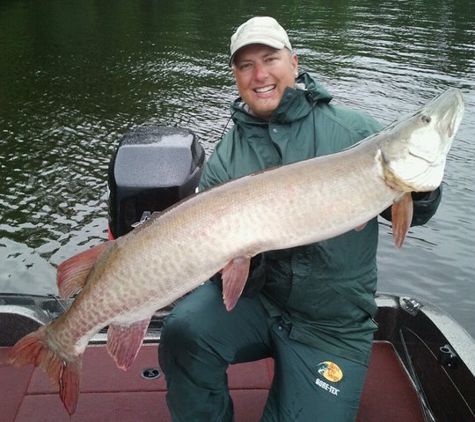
(151, 169)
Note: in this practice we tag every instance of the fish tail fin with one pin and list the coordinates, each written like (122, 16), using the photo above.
(34, 348)
(401, 218)
(72, 274)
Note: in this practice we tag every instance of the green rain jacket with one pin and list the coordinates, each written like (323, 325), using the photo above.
(323, 292)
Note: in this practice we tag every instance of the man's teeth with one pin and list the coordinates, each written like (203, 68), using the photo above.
(265, 89)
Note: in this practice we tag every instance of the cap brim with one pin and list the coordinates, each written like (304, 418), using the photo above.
(274, 44)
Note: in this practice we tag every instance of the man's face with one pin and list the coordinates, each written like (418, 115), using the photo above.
(262, 73)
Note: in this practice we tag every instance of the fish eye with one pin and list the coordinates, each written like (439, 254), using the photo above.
(425, 118)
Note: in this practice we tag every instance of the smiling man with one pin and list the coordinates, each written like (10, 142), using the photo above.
(262, 74)
(311, 308)
(262, 70)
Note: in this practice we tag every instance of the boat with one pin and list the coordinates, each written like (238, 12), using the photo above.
(422, 366)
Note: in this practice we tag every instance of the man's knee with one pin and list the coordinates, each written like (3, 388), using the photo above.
(186, 330)
(176, 340)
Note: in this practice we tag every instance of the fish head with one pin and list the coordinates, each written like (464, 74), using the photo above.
(435, 126)
(415, 153)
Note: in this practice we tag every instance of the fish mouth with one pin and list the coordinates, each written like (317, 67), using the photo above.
(454, 120)
(448, 109)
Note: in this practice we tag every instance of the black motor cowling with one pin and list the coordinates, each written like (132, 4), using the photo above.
(151, 169)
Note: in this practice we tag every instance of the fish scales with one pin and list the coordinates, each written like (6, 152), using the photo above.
(224, 226)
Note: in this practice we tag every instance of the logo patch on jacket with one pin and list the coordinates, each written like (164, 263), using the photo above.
(330, 371)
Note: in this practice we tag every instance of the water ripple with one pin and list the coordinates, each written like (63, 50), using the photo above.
(74, 80)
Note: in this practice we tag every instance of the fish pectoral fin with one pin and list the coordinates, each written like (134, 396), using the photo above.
(124, 341)
(360, 227)
(235, 275)
(401, 217)
(71, 274)
(35, 348)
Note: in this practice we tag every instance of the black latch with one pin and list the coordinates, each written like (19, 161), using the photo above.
(411, 306)
(447, 356)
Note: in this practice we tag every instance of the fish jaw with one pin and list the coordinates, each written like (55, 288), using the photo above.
(417, 163)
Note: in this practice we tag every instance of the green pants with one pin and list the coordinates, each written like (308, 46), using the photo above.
(200, 339)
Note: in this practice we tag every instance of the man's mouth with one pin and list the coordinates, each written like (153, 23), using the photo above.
(265, 89)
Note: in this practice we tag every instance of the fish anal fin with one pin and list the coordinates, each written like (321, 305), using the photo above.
(66, 374)
(401, 217)
(124, 341)
(72, 274)
(235, 275)
(70, 385)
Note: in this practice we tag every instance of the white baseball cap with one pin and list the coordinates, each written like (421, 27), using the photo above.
(259, 30)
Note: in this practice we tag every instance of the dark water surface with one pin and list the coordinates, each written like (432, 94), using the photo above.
(76, 75)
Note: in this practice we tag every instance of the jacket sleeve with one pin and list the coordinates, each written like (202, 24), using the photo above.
(215, 171)
(425, 206)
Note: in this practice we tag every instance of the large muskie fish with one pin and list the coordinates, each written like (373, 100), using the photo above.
(123, 282)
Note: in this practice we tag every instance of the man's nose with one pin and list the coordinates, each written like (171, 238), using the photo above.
(260, 71)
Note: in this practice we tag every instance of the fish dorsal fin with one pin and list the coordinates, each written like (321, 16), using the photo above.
(235, 275)
(124, 341)
(72, 274)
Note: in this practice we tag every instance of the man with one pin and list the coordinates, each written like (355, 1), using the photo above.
(311, 308)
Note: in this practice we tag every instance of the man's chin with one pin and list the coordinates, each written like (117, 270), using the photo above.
(264, 111)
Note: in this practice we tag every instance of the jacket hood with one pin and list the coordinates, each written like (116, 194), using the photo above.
(318, 92)
(295, 104)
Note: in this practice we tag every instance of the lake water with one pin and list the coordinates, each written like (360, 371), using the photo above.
(76, 75)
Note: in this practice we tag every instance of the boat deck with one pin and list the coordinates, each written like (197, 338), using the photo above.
(108, 393)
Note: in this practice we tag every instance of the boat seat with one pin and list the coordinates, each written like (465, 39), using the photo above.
(107, 393)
